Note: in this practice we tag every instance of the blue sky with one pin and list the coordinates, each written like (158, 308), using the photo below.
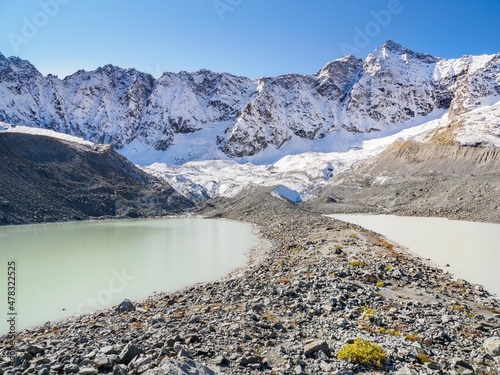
(247, 37)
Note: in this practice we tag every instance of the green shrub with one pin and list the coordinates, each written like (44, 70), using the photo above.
(363, 352)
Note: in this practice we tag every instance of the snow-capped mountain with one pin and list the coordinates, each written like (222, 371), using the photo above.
(205, 115)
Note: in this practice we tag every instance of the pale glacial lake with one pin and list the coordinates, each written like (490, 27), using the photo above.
(73, 268)
(471, 249)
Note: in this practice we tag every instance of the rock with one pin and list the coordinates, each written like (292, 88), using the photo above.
(57, 368)
(193, 339)
(156, 319)
(463, 370)
(129, 353)
(71, 369)
(177, 346)
(143, 364)
(184, 354)
(311, 298)
(396, 273)
(325, 367)
(298, 370)
(462, 367)
(188, 367)
(34, 350)
(322, 355)
(250, 360)
(172, 340)
(125, 306)
(220, 360)
(492, 346)
(484, 326)
(87, 363)
(258, 307)
(102, 361)
(87, 371)
(315, 346)
(433, 366)
(82, 340)
(120, 370)
(405, 371)
(110, 349)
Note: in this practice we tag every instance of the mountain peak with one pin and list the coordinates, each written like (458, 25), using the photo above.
(2, 57)
(390, 50)
(394, 47)
(343, 63)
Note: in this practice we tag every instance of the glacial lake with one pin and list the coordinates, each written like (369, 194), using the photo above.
(471, 249)
(68, 269)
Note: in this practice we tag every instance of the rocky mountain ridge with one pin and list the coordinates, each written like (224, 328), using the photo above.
(348, 97)
(45, 179)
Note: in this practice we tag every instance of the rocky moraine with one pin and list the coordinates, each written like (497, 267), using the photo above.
(313, 288)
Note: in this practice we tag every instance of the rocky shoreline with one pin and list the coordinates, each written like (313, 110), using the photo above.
(313, 285)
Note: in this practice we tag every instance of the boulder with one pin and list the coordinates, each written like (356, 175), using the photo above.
(125, 306)
(128, 353)
(316, 346)
(492, 346)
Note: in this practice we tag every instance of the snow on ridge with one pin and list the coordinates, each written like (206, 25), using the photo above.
(7, 128)
(249, 119)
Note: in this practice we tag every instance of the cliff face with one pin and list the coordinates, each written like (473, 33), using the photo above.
(348, 96)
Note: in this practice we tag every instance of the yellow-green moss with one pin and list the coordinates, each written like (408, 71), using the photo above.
(411, 337)
(424, 358)
(368, 310)
(357, 263)
(363, 352)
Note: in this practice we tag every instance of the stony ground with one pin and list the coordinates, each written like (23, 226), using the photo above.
(314, 285)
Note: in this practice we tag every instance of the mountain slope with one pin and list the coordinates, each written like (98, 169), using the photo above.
(44, 179)
(480, 127)
(421, 178)
(220, 115)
